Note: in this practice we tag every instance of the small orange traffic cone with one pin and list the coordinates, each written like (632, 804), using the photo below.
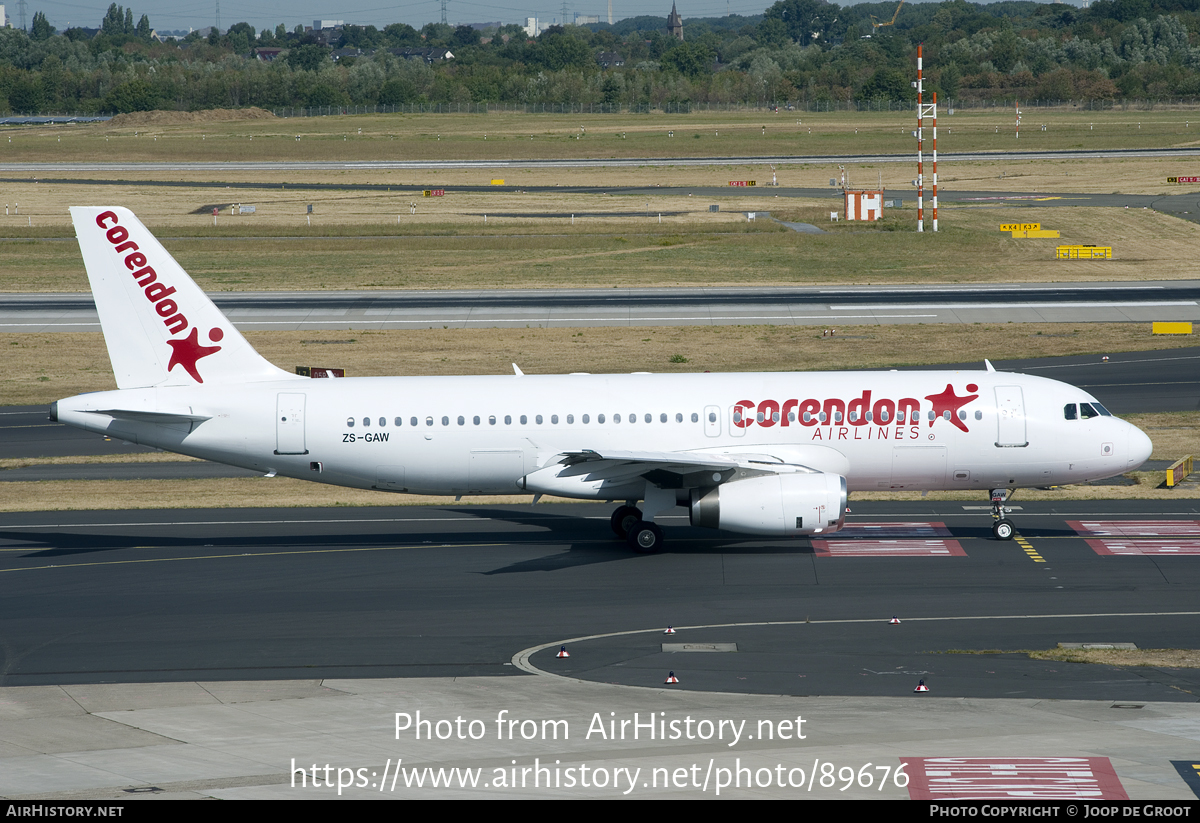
(671, 678)
(563, 652)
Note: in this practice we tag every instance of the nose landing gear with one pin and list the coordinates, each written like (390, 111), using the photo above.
(1002, 527)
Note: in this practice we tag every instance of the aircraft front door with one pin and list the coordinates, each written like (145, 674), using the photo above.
(1010, 417)
(289, 424)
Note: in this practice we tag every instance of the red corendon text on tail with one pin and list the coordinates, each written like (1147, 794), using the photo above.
(184, 351)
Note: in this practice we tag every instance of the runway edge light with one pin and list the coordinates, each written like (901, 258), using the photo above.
(671, 678)
(921, 687)
(895, 621)
(562, 652)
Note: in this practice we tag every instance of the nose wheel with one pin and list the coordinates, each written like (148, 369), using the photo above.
(1002, 527)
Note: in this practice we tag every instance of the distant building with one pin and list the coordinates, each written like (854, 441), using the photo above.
(586, 19)
(532, 27)
(168, 35)
(610, 60)
(3, 18)
(338, 54)
(266, 55)
(429, 55)
(328, 24)
(675, 24)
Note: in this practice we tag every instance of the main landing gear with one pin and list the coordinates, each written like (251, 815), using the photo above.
(1002, 527)
(642, 537)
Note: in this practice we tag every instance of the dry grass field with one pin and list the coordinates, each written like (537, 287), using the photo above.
(282, 492)
(355, 242)
(508, 135)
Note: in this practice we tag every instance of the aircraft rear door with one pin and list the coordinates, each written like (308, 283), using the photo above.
(289, 424)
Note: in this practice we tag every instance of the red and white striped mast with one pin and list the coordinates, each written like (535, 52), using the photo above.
(923, 111)
(920, 163)
(935, 161)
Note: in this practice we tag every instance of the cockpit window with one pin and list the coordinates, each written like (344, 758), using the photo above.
(1070, 412)
(1103, 411)
(1087, 412)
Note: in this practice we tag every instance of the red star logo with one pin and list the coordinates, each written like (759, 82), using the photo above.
(948, 401)
(187, 351)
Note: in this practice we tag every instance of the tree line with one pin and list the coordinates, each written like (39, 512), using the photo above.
(805, 51)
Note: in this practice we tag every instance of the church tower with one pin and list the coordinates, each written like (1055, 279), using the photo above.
(675, 24)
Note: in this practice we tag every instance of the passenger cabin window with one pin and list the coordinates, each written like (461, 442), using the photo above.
(1069, 412)
(366, 421)
(412, 421)
(399, 421)
(350, 422)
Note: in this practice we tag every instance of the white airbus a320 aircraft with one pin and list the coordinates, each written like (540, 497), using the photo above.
(762, 454)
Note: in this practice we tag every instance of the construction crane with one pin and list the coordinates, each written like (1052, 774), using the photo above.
(876, 25)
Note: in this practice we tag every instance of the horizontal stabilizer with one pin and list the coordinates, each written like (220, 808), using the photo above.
(149, 417)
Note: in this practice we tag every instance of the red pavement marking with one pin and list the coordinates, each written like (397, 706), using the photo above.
(892, 530)
(1144, 546)
(888, 548)
(1135, 528)
(1012, 778)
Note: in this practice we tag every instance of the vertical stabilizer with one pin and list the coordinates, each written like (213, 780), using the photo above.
(160, 327)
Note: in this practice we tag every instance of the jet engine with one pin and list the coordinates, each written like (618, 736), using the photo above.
(778, 505)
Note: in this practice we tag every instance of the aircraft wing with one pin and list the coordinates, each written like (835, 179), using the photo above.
(668, 470)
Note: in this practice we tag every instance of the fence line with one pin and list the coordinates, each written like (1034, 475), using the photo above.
(687, 107)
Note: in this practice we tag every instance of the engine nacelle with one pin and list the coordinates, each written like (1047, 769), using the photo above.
(778, 505)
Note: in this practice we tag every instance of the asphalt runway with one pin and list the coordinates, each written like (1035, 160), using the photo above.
(1042, 303)
(169, 596)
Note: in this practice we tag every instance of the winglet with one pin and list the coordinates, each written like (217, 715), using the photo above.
(989, 365)
(517, 370)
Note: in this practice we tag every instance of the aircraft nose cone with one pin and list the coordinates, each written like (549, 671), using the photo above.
(1140, 447)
